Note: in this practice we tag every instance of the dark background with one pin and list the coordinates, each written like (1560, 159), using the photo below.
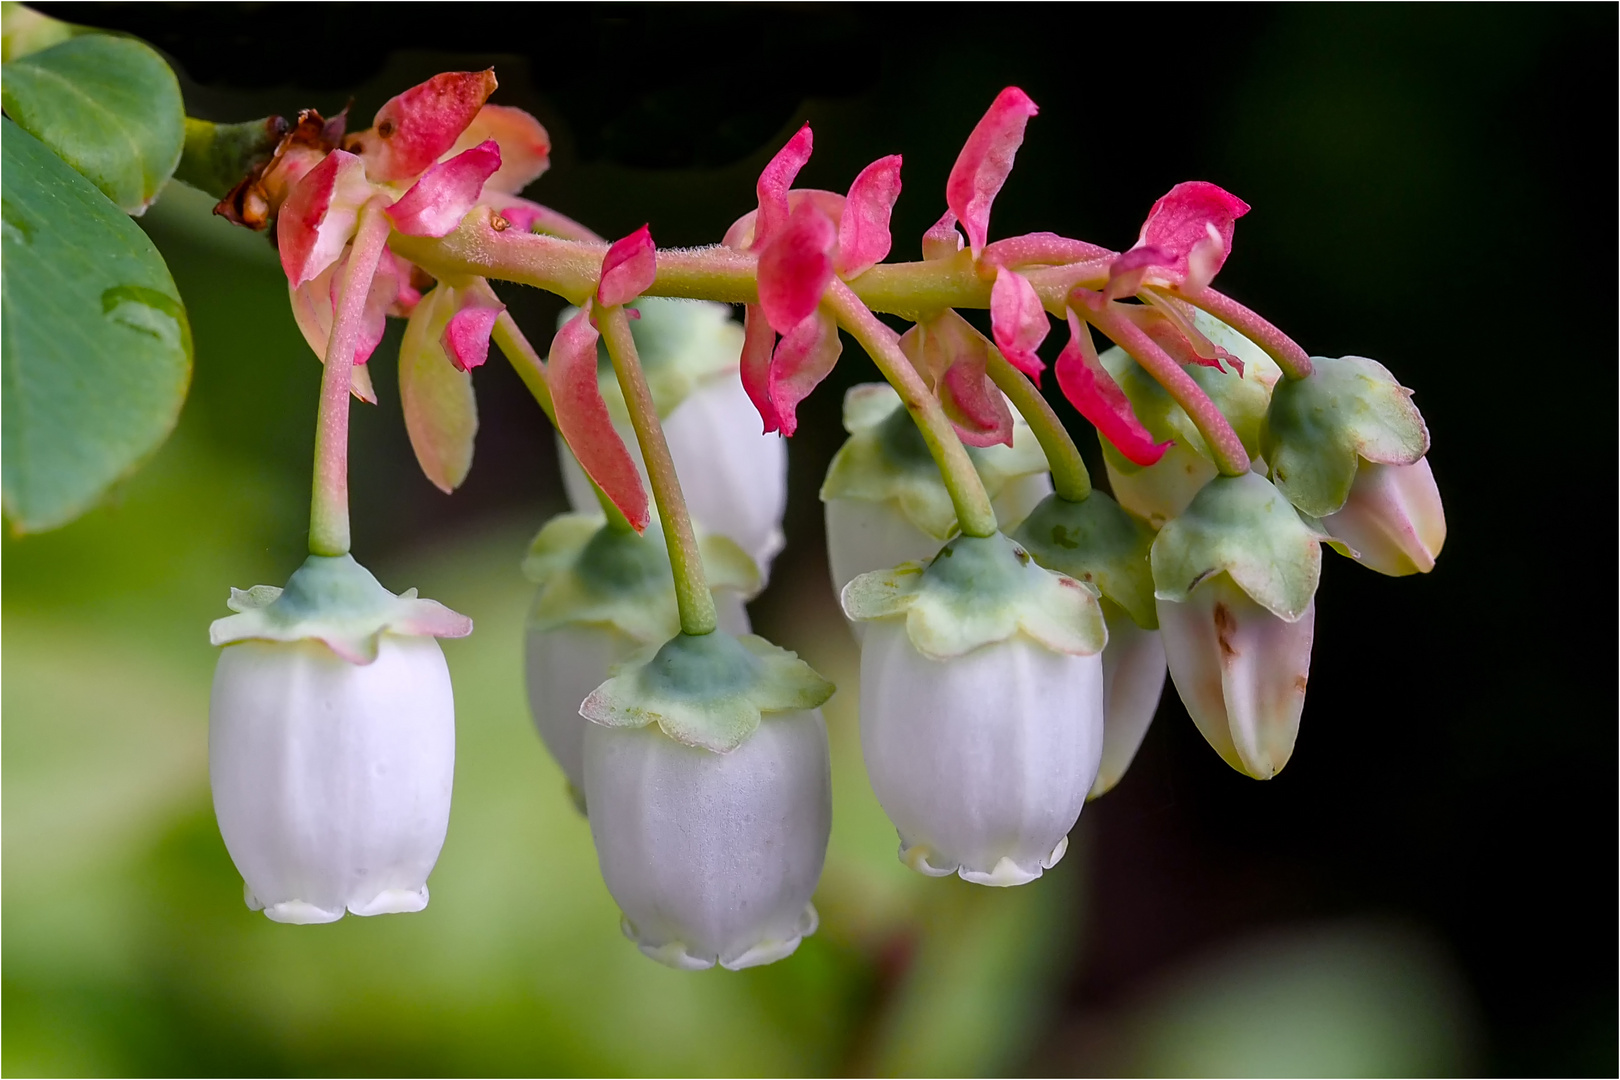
(1433, 186)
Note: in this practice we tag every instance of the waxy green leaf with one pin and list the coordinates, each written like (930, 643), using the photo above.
(97, 350)
(108, 106)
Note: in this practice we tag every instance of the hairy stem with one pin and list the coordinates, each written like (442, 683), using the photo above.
(973, 510)
(692, 594)
(1224, 445)
(1294, 361)
(1070, 479)
(532, 370)
(329, 501)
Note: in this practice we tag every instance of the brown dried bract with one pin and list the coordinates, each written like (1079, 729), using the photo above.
(254, 201)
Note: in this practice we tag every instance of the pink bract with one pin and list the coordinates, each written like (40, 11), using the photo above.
(1184, 241)
(804, 357)
(583, 419)
(525, 146)
(410, 132)
(759, 340)
(466, 336)
(437, 202)
(985, 162)
(863, 230)
(1088, 386)
(951, 356)
(628, 269)
(796, 266)
(1018, 321)
(319, 216)
(772, 188)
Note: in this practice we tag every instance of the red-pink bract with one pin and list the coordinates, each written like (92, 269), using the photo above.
(804, 357)
(863, 231)
(437, 202)
(1191, 226)
(628, 269)
(951, 356)
(1018, 321)
(943, 239)
(466, 336)
(985, 162)
(525, 146)
(1089, 387)
(759, 340)
(583, 420)
(772, 188)
(796, 266)
(411, 131)
(319, 216)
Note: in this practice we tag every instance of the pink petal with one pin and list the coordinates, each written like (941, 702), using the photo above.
(436, 203)
(805, 356)
(466, 336)
(772, 189)
(628, 269)
(583, 419)
(863, 232)
(759, 340)
(1088, 386)
(441, 410)
(973, 403)
(319, 216)
(1018, 321)
(796, 267)
(1192, 225)
(986, 159)
(410, 132)
(525, 145)
(942, 240)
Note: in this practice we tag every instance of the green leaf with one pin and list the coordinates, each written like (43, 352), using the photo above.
(97, 350)
(108, 106)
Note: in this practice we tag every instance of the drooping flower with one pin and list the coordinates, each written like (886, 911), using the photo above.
(1393, 521)
(981, 707)
(331, 745)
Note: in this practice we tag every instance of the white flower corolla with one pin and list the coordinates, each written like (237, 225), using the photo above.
(1393, 521)
(709, 786)
(1236, 580)
(1133, 681)
(733, 477)
(331, 743)
(981, 707)
(884, 500)
(603, 595)
(1241, 671)
(712, 858)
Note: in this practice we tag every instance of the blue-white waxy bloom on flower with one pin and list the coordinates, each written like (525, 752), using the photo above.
(1096, 541)
(1236, 578)
(709, 785)
(603, 594)
(734, 478)
(885, 503)
(331, 742)
(981, 707)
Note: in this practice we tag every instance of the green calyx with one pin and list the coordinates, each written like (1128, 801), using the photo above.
(335, 600)
(1243, 526)
(886, 460)
(1319, 428)
(710, 691)
(978, 591)
(590, 573)
(1096, 541)
(683, 344)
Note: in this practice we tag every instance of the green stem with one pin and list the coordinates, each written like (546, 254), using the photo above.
(692, 594)
(532, 370)
(329, 501)
(1070, 479)
(973, 510)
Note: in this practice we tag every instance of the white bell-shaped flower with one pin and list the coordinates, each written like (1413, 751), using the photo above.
(1133, 681)
(885, 503)
(733, 477)
(1241, 671)
(1393, 521)
(1236, 580)
(712, 857)
(981, 707)
(331, 743)
(709, 786)
(603, 595)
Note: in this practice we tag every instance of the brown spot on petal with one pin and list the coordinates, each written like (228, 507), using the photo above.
(1225, 626)
(385, 129)
(1299, 684)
